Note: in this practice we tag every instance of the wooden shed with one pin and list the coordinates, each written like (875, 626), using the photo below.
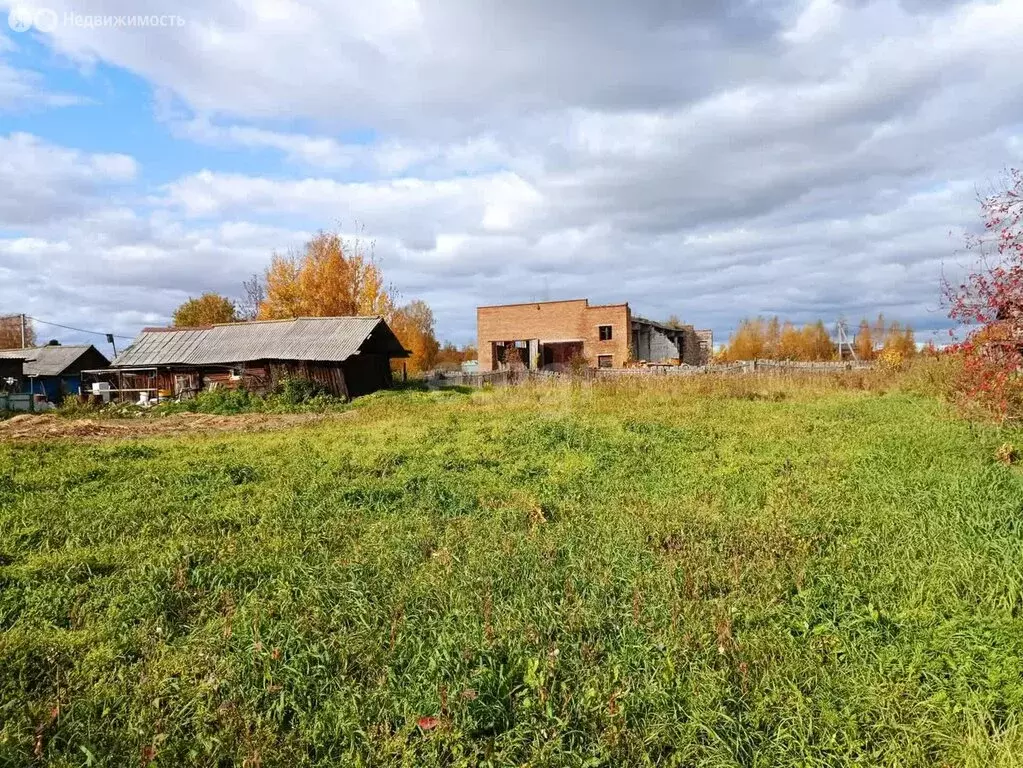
(347, 356)
(55, 371)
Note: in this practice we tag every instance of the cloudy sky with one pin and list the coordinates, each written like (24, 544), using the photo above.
(714, 160)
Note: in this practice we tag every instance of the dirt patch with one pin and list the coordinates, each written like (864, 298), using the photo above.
(48, 426)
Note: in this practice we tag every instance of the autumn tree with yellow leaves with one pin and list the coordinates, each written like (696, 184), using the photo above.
(749, 342)
(334, 276)
(760, 339)
(329, 277)
(900, 341)
(864, 343)
(873, 339)
(208, 309)
(413, 325)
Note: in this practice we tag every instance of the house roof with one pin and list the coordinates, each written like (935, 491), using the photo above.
(323, 339)
(661, 326)
(49, 360)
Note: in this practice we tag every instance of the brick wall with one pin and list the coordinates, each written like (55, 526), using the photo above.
(691, 354)
(555, 321)
(705, 337)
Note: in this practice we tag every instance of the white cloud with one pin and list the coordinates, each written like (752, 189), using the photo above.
(116, 270)
(404, 63)
(706, 159)
(43, 182)
(817, 19)
(311, 150)
(22, 89)
(387, 158)
(412, 209)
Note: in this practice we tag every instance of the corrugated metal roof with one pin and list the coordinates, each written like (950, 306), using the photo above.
(49, 360)
(328, 339)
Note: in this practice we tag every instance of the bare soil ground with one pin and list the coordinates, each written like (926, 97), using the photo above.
(48, 426)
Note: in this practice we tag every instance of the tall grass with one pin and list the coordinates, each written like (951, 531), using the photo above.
(748, 573)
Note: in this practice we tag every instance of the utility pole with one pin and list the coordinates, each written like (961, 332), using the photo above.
(845, 341)
(22, 330)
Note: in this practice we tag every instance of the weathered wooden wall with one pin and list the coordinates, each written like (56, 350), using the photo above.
(367, 373)
(359, 375)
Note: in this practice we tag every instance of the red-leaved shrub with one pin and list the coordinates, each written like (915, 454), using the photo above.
(990, 304)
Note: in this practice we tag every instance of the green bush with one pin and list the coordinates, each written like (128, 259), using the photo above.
(289, 396)
(294, 391)
(214, 401)
(75, 408)
(225, 401)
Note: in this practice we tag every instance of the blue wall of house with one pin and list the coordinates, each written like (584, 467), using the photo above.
(54, 387)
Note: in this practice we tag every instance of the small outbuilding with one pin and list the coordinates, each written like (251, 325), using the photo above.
(347, 356)
(55, 371)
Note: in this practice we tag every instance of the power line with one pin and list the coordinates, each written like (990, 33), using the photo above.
(79, 330)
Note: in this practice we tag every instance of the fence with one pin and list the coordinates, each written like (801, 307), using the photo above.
(16, 402)
(818, 367)
(494, 378)
(758, 367)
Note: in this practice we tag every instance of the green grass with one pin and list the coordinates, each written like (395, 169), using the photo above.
(567, 575)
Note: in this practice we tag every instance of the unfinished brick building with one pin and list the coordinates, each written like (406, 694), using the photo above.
(555, 334)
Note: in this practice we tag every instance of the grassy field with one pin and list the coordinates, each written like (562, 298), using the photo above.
(552, 575)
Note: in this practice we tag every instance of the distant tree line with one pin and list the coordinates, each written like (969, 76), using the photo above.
(771, 339)
(451, 357)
